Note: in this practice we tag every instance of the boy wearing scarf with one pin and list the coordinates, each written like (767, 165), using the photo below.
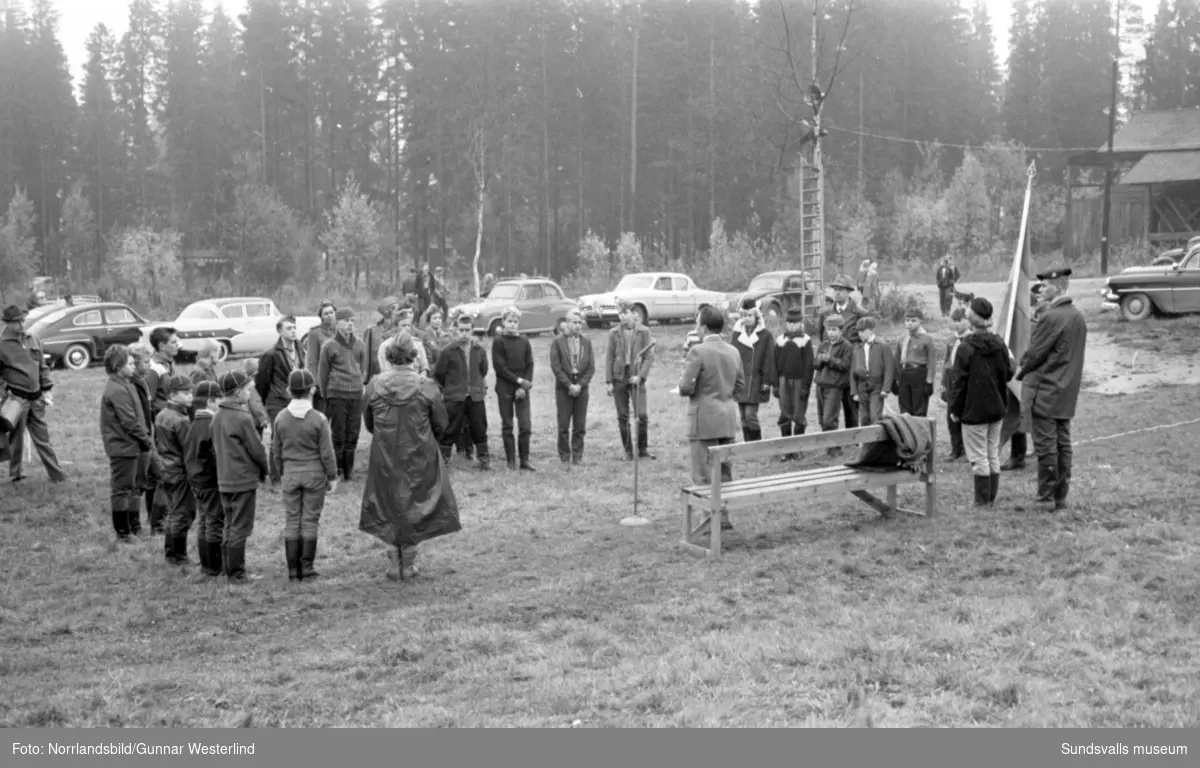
(794, 366)
(756, 346)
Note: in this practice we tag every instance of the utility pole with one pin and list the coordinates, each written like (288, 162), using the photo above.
(860, 131)
(818, 165)
(262, 105)
(1108, 160)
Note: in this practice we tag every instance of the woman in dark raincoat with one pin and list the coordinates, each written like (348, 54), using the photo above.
(407, 498)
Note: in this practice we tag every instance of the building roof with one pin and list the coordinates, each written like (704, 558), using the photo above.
(1170, 130)
(1161, 167)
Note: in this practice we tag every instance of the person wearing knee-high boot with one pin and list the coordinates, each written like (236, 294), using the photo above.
(340, 377)
(961, 329)
(756, 346)
(512, 357)
(241, 466)
(200, 461)
(125, 432)
(794, 369)
(628, 361)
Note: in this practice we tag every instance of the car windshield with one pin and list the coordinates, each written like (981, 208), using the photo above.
(197, 312)
(766, 283)
(503, 292)
(46, 320)
(634, 283)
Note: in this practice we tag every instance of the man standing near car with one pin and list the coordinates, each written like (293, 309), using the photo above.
(844, 307)
(1052, 368)
(25, 376)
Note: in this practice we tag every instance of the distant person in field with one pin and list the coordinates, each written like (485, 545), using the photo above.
(434, 334)
(978, 398)
(916, 365)
(794, 369)
(165, 343)
(407, 498)
(374, 336)
(125, 433)
(25, 378)
(1053, 369)
(312, 351)
(438, 290)
(831, 369)
(205, 368)
(871, 290)
(461, 371)
(756, 348)
(861, 282)
(258, 409)
(573, 364)
(947, 276)
(424, 288)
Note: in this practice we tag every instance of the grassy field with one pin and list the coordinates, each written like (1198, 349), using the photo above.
(1174, 336)
(544, 611)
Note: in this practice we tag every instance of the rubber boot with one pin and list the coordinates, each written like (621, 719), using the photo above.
(291, 551)
(176, 550)
(235, 564)
(1016, 456)
(994, 487)
(626, 441)
(510, 451)
(983, 486)
(348, 463)
(120, 523)
(755, 434)
(308, 556)
(643, 433)
(1047, 483)
(135, 520)
(202, 554)
(785, 430)
(485, 462)
(523, 451)
(216, 558)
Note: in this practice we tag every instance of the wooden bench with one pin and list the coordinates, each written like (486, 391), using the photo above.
(800, 486)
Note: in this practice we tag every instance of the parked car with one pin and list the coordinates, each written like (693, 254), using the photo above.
(660, 296)
(777, 292)
(540, 300)
(1172, 289)
(78, 335)
(241, 325)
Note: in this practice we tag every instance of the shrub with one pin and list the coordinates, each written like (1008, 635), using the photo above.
(895, 302)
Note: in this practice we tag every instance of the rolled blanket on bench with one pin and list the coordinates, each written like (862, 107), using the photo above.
(907, 445)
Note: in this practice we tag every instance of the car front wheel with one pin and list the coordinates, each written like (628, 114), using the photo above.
(77, 357)
(1136, 307)
(643, 315)
(494, 328)
(223, 351)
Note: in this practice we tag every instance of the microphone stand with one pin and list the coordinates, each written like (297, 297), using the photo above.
(636, 519)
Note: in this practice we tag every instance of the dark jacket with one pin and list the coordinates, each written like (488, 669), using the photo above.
(979, 386)
(142, 390)
(757, 351)
(302, 441)
(161, 369)
(170, 433)
(241, 458)
(23, 364)
(373, 338)
(274, 368)
(1052, 367)
(199, 456)
(834, 372)
(794, 359)
(616, 356)
(850, 315)
(459, 377)
(407, 498)
(560, 362)
(947, 276)
(512, 357)
(124, 424)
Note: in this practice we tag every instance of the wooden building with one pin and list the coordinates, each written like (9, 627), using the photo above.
(1156, 187)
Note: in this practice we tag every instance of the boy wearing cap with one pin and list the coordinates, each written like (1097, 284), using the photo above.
(916, 356)
(1052, 368)
(303, 463)
(832, 375)
(200, 462)
(962, 328)
(340, 377)
(871, 374)
(461, 371)
(241, 466)
(794, 368)
(756, 346)
(979, 398)
(844, 307)
(170, 433)
(628, 360)
(512, 355)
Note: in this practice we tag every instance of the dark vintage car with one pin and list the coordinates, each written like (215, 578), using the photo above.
(777, 292)
(78, 335)
(1167, 289)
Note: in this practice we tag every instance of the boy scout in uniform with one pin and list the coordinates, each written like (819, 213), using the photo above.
(916, 363)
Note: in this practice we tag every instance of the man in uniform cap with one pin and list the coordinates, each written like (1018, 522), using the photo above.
(843, 306)
(1052, 368)
(25, 376)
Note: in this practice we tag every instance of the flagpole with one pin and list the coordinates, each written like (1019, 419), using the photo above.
(1015, 272)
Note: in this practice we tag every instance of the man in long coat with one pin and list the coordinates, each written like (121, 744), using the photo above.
(1052, 368)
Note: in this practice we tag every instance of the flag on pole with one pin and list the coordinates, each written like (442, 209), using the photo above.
(1016, 314)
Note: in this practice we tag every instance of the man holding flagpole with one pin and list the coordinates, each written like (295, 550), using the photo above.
(1053, 368)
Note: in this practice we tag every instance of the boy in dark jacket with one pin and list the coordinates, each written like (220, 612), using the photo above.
(832, 365)
(958, 318)
(756, 345)
(512, 354)
(241, 466)
(200, 461)
(979, 398)
(303, 462)
(872, 373)
(125, 430)
(170, 433)
(794, 366)
(573, 364)
(148, 475)
(461, 371)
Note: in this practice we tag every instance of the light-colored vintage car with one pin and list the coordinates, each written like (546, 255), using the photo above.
(541, 301)
(243, 325)
(658, 296)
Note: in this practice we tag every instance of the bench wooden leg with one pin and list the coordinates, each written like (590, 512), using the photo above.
(714, 532)
(891, 498)
(685, 505)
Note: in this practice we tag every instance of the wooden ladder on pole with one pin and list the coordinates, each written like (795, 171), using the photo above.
(812, 240)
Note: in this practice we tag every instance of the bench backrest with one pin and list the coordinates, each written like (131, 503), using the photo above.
(838, 438)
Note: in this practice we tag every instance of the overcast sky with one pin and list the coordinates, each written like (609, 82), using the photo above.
(79, 18)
